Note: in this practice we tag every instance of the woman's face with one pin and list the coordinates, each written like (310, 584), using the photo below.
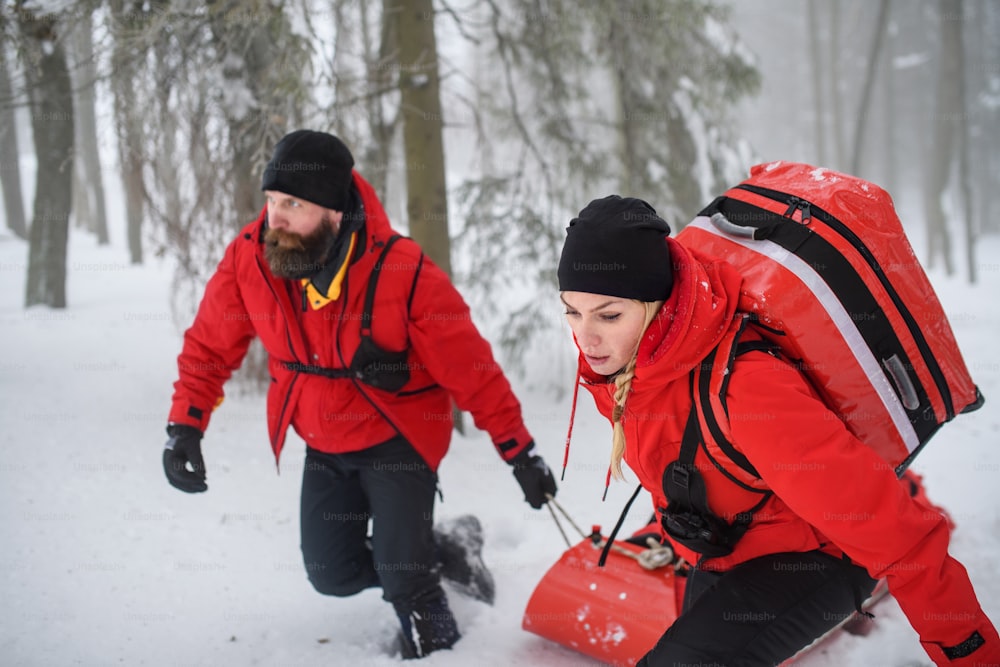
(607, 328)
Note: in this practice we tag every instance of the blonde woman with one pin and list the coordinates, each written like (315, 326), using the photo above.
(784, 556)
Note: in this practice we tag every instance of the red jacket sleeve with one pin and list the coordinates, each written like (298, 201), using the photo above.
(214, 347)
(832, 480)
(460, 360)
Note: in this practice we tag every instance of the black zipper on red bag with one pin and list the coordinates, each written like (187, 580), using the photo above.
(809, 209)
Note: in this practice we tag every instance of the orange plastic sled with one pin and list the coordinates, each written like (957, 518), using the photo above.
(614, 613)
(617, 613)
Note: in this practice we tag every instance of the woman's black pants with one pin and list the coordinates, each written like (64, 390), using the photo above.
(760, 612)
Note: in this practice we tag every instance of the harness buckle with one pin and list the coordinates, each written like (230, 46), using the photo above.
(681, 476)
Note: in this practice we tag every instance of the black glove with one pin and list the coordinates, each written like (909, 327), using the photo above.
(534, 476)
(184, 447)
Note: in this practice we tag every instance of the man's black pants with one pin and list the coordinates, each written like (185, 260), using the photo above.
(389, 484)
(761, 612)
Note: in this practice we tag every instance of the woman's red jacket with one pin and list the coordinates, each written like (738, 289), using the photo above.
(830, 491)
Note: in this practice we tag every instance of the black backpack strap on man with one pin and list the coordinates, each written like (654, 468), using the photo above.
(371, 364)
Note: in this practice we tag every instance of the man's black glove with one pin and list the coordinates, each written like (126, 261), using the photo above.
(534, 476)
(184, 447)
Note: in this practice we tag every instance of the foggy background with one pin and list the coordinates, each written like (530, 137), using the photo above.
(132, 140)
(484, 125)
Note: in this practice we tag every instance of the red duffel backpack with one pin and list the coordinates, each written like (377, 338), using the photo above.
(833, 282)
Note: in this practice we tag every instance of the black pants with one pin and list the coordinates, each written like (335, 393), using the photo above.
(390, 485)
(761, 612)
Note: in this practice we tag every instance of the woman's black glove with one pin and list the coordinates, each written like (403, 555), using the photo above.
(534, 476)
(183, 448)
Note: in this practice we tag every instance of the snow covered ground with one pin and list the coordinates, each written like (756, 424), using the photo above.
(102, 562)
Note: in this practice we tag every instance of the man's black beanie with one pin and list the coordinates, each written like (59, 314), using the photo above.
(617, 246)
(314, 166)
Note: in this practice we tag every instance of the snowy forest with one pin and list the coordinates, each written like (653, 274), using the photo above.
(484, 125)
(133, 137)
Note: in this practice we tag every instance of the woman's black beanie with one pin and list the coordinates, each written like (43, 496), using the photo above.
(617, 246)
(314, 166)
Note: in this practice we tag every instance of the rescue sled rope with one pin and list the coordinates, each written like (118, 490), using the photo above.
(654, 556)
(558, 525)
(552, 502)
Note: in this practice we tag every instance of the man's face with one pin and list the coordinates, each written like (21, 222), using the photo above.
(299, 235)
(298, 216)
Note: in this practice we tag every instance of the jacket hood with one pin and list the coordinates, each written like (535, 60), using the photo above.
(376, 221)
(690, 323)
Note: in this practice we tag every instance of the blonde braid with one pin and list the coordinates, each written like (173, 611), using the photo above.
(623, 386)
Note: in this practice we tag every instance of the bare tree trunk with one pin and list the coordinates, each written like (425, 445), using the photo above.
(423, 129)
(988, 141)
(347, 87)
(252, 61)
(943, 128)
(10, 169)
(985, 23)
(962, 128)
(87, 156)
(866, 94)
(889, 115)
(837, 134)
(128, 121)
(626, 156)
(81, 212)
(164, 161)
(51, 98)
(818, 79)
(624, 123)
(253, 50)
(423, 126)
(376, 152)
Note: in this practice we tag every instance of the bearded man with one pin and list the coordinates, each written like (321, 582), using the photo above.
(369, 345)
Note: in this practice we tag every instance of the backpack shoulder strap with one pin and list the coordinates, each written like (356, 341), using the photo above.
(703, 393)
(744, 346)
(682, 483)
(366, 316)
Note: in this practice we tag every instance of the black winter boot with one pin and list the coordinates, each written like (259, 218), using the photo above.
(427, 626)
(459, 543)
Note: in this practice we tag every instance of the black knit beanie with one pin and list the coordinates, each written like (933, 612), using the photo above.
(314, 166)
(617, 246)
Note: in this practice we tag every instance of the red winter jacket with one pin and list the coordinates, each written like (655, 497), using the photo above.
(830, 491)
(416, 308)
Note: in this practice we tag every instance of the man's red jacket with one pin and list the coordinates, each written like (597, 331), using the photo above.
(831, 492)
(416, 309)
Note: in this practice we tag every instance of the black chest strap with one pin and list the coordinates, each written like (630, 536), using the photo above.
(371, 364)
(323, 371)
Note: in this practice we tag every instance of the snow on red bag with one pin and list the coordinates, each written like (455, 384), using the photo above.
(833, 281)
